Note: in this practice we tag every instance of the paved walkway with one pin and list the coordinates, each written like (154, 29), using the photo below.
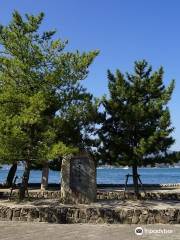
(44, 231)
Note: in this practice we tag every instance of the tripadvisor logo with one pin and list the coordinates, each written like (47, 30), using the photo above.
(139, 231)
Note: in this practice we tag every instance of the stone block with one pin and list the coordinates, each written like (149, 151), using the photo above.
(78, 183)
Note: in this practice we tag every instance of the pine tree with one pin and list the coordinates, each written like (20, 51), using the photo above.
(39, 82)
(136, 126)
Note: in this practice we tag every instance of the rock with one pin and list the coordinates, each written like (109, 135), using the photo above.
(33, 215)
(135, 219)
(78, 183)
(16, 212)
(150, 220)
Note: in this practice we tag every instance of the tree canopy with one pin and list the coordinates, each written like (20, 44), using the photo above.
(40, 88)
(136, 126)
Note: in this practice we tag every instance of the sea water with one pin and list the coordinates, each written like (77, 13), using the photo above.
(109, 175)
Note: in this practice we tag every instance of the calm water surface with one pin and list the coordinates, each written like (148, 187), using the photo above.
(110, 175)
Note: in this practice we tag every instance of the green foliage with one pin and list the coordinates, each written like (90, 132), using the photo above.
(40, 92)
(136, 126)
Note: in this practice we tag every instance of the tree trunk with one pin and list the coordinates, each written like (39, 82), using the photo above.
(45, 175)
(11, 174)
(25, 179)
(135, 180)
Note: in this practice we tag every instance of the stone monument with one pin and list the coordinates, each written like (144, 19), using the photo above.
(78, 179)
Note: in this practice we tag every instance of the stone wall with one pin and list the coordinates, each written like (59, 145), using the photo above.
(109, 195)
(159, 195)
(35, 194)
(65, 214)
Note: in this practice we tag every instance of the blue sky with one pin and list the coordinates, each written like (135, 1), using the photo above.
(123, 31)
